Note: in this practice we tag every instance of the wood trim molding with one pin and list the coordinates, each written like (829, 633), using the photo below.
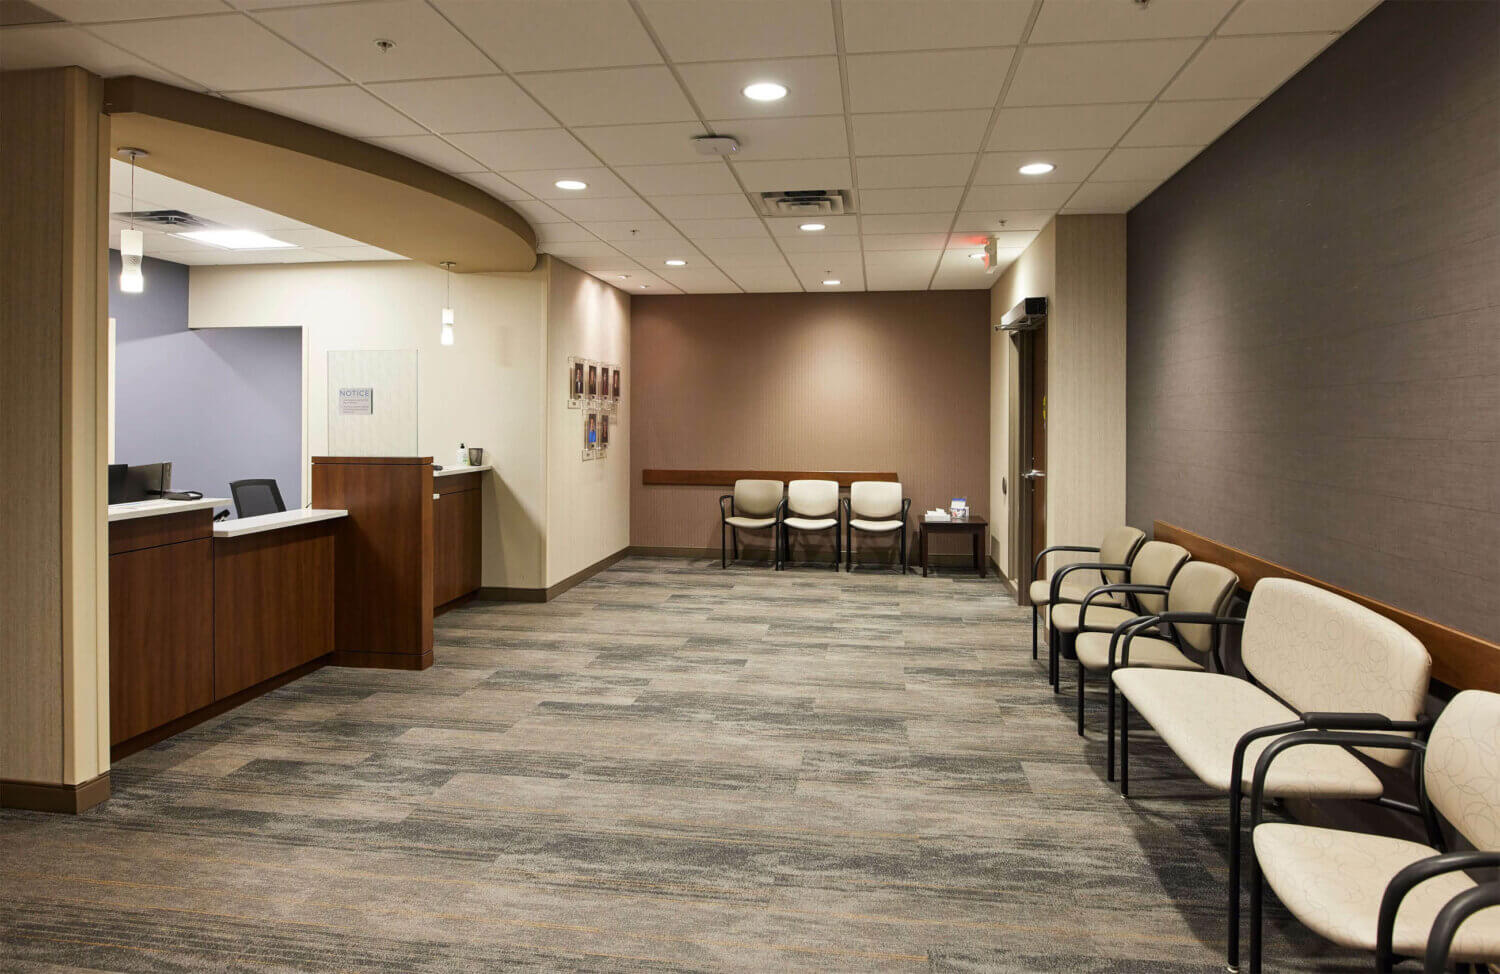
(1461, 660)
(397, 461)
(65, 799)
(726, 478)
(506, 594)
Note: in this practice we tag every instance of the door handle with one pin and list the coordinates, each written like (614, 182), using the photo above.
(1034, 474)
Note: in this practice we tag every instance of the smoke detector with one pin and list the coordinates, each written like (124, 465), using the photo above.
(716, 145)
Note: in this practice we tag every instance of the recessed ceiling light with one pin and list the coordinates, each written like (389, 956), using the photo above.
(645, 286)
(812, 227)
(571, 184)
(235, 239)
(832, 282)
(623, 277)
(674, 262)
(765, 91)
(1037, 168)
(978, 255)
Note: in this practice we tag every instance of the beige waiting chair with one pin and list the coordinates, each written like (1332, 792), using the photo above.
(1184, 637)
(1118, 548)
(1148, 577)
(875, 507)
(1387, 895)
(754, 506)
(811, 505)
(1315, 660)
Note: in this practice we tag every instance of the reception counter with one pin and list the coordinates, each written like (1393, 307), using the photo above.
(457, 534)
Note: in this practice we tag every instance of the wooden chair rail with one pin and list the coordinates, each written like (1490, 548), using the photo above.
(1461, 660)
(726, 478)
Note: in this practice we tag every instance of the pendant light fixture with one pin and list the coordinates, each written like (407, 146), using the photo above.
(132, 241)
(447, 334)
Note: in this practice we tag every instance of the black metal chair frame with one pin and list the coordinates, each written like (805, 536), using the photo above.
(848, 505)
(1126, 588)
(786, 540)
(734, 536)
(234, 491)
(1036, 566)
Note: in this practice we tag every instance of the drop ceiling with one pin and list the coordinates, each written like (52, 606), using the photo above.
(924, 109)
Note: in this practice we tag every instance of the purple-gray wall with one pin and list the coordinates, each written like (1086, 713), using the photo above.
(1314, 322)
(221, 404)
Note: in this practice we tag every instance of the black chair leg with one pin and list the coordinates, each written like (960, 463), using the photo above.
(1110, 765)
(1257, 894)
(734, 540)
(1035, 618)
(1124, 747)
(1080, 699)
(723, 547)
(905, 560)
(838, 550)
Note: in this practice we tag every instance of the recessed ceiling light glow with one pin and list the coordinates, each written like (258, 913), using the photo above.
(978, 255)
(812, 227)
(676, 263)
(1037, 168)
(235, 239)
(571, 184)
(765, 91)
(832, 282)
(645, 287)
(623, 277)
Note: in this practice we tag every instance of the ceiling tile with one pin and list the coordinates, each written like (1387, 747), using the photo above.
(912, 260)
(906, 222)
(744, 251)
(699, 280)
(1155, 163)
(653, 252)
(537, 212)
(617, 264)
(1245, 67)
(818, 243)
(619, 208)
(765, 280)
(787, 138)
(898, 133)
(540, 183)
(529, 149)
(345, 36)
(977, 219)
(610, 96)
(1004, 239)
(1187, 122)
(743, 228)
(225, 52)
(316, 238)
(719, 206)
(525, 35)
(1073, 166)
(901, 25)
(891, 172)
(1037, 196)
(851, 278)
(927, 80)
(812, 84)
(550, 233)
(634, 230)
(579, 248)
(795, 174)
(1288, 16)
(643, 145)
(909, 200)
(904, 241)
(496, 186)
(692, 179)
(346, 108)
(1111, 20)
(729, 30)
(482, 104)
(1075, 74)
(790, 226)
(896, 279)
(59, 45)
(1109, 197)
(732, 263)
(1072, 127)
(431, 150)
(89, 11)
(360, 253)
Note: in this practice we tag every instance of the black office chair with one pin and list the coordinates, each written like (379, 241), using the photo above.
(253, 497)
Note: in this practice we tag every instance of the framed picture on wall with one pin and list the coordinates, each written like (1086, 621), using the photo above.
(590, 435)
(615, 384)
(575, 381)
(604, 431)
(593, 389)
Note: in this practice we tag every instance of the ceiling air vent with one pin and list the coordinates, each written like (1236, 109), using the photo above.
(169, 220)
(807, 202)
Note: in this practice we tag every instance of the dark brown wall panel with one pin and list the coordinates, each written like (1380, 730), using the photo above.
(892, 381)
(1314, 323)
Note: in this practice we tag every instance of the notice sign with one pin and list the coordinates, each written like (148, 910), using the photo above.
(356, 402)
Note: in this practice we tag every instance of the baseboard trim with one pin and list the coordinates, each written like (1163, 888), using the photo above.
(939, 559)
(60, 799)
(457, 603)
(383, 661)
(504, 594)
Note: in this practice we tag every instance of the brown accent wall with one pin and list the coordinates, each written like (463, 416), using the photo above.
(1314, 322)
(889, 380)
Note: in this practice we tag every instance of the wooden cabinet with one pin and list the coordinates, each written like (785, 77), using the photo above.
(456, 536)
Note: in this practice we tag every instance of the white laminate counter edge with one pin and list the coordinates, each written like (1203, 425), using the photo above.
(451, 471)
(274, 522)
(155, 508)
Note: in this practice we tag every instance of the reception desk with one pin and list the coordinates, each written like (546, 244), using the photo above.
(457, 534)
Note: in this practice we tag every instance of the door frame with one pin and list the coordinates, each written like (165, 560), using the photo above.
(1027, 527)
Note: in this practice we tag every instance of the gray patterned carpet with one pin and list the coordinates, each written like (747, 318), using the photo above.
(668, 768)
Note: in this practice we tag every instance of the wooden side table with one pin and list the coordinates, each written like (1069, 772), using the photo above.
(973, 526)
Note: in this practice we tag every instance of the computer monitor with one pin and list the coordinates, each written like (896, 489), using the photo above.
(117, 482)
(147, 481)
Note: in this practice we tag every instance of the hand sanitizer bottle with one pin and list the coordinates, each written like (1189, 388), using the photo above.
(463, 457)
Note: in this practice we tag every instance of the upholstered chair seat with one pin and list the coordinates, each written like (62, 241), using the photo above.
(1118, 547)
(876, 507)
(1099, 617)
(1074, 588)
(1093, 652)
(875, 527)
(736, 521)
(811, 505)
(811, 523)
(754, 505)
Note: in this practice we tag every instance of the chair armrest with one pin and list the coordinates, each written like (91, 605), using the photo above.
(1334, 720)
(1037, 561)
(781, 509)
(1340, 738)
(1057, 577)
(1408, 879)
(1201, 619)
(722, 499)
(1450, 918)
(1136, 625)
(1088, 600)
(847, 508)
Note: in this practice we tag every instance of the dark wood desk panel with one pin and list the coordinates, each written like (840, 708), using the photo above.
(454, 482)
(456, 544)
(974, 526)
(161, 632)
(273, 603)
(159, 529)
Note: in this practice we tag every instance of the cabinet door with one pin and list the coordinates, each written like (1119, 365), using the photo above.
(469, 578)
(447, 547)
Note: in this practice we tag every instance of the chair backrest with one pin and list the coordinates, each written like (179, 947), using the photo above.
(1156, 563)
(1462, 768)
(256, 497)
(1118, 548)
(1201, 586)
(1322, 652)
(874, 500)
(757, 498)
(812, 498)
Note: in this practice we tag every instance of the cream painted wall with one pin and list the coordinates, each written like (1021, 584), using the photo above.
(485, 390)
(588, 502)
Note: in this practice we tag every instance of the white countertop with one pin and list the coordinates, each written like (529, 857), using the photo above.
(158, 506)
(273, 522)
(450, 471)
